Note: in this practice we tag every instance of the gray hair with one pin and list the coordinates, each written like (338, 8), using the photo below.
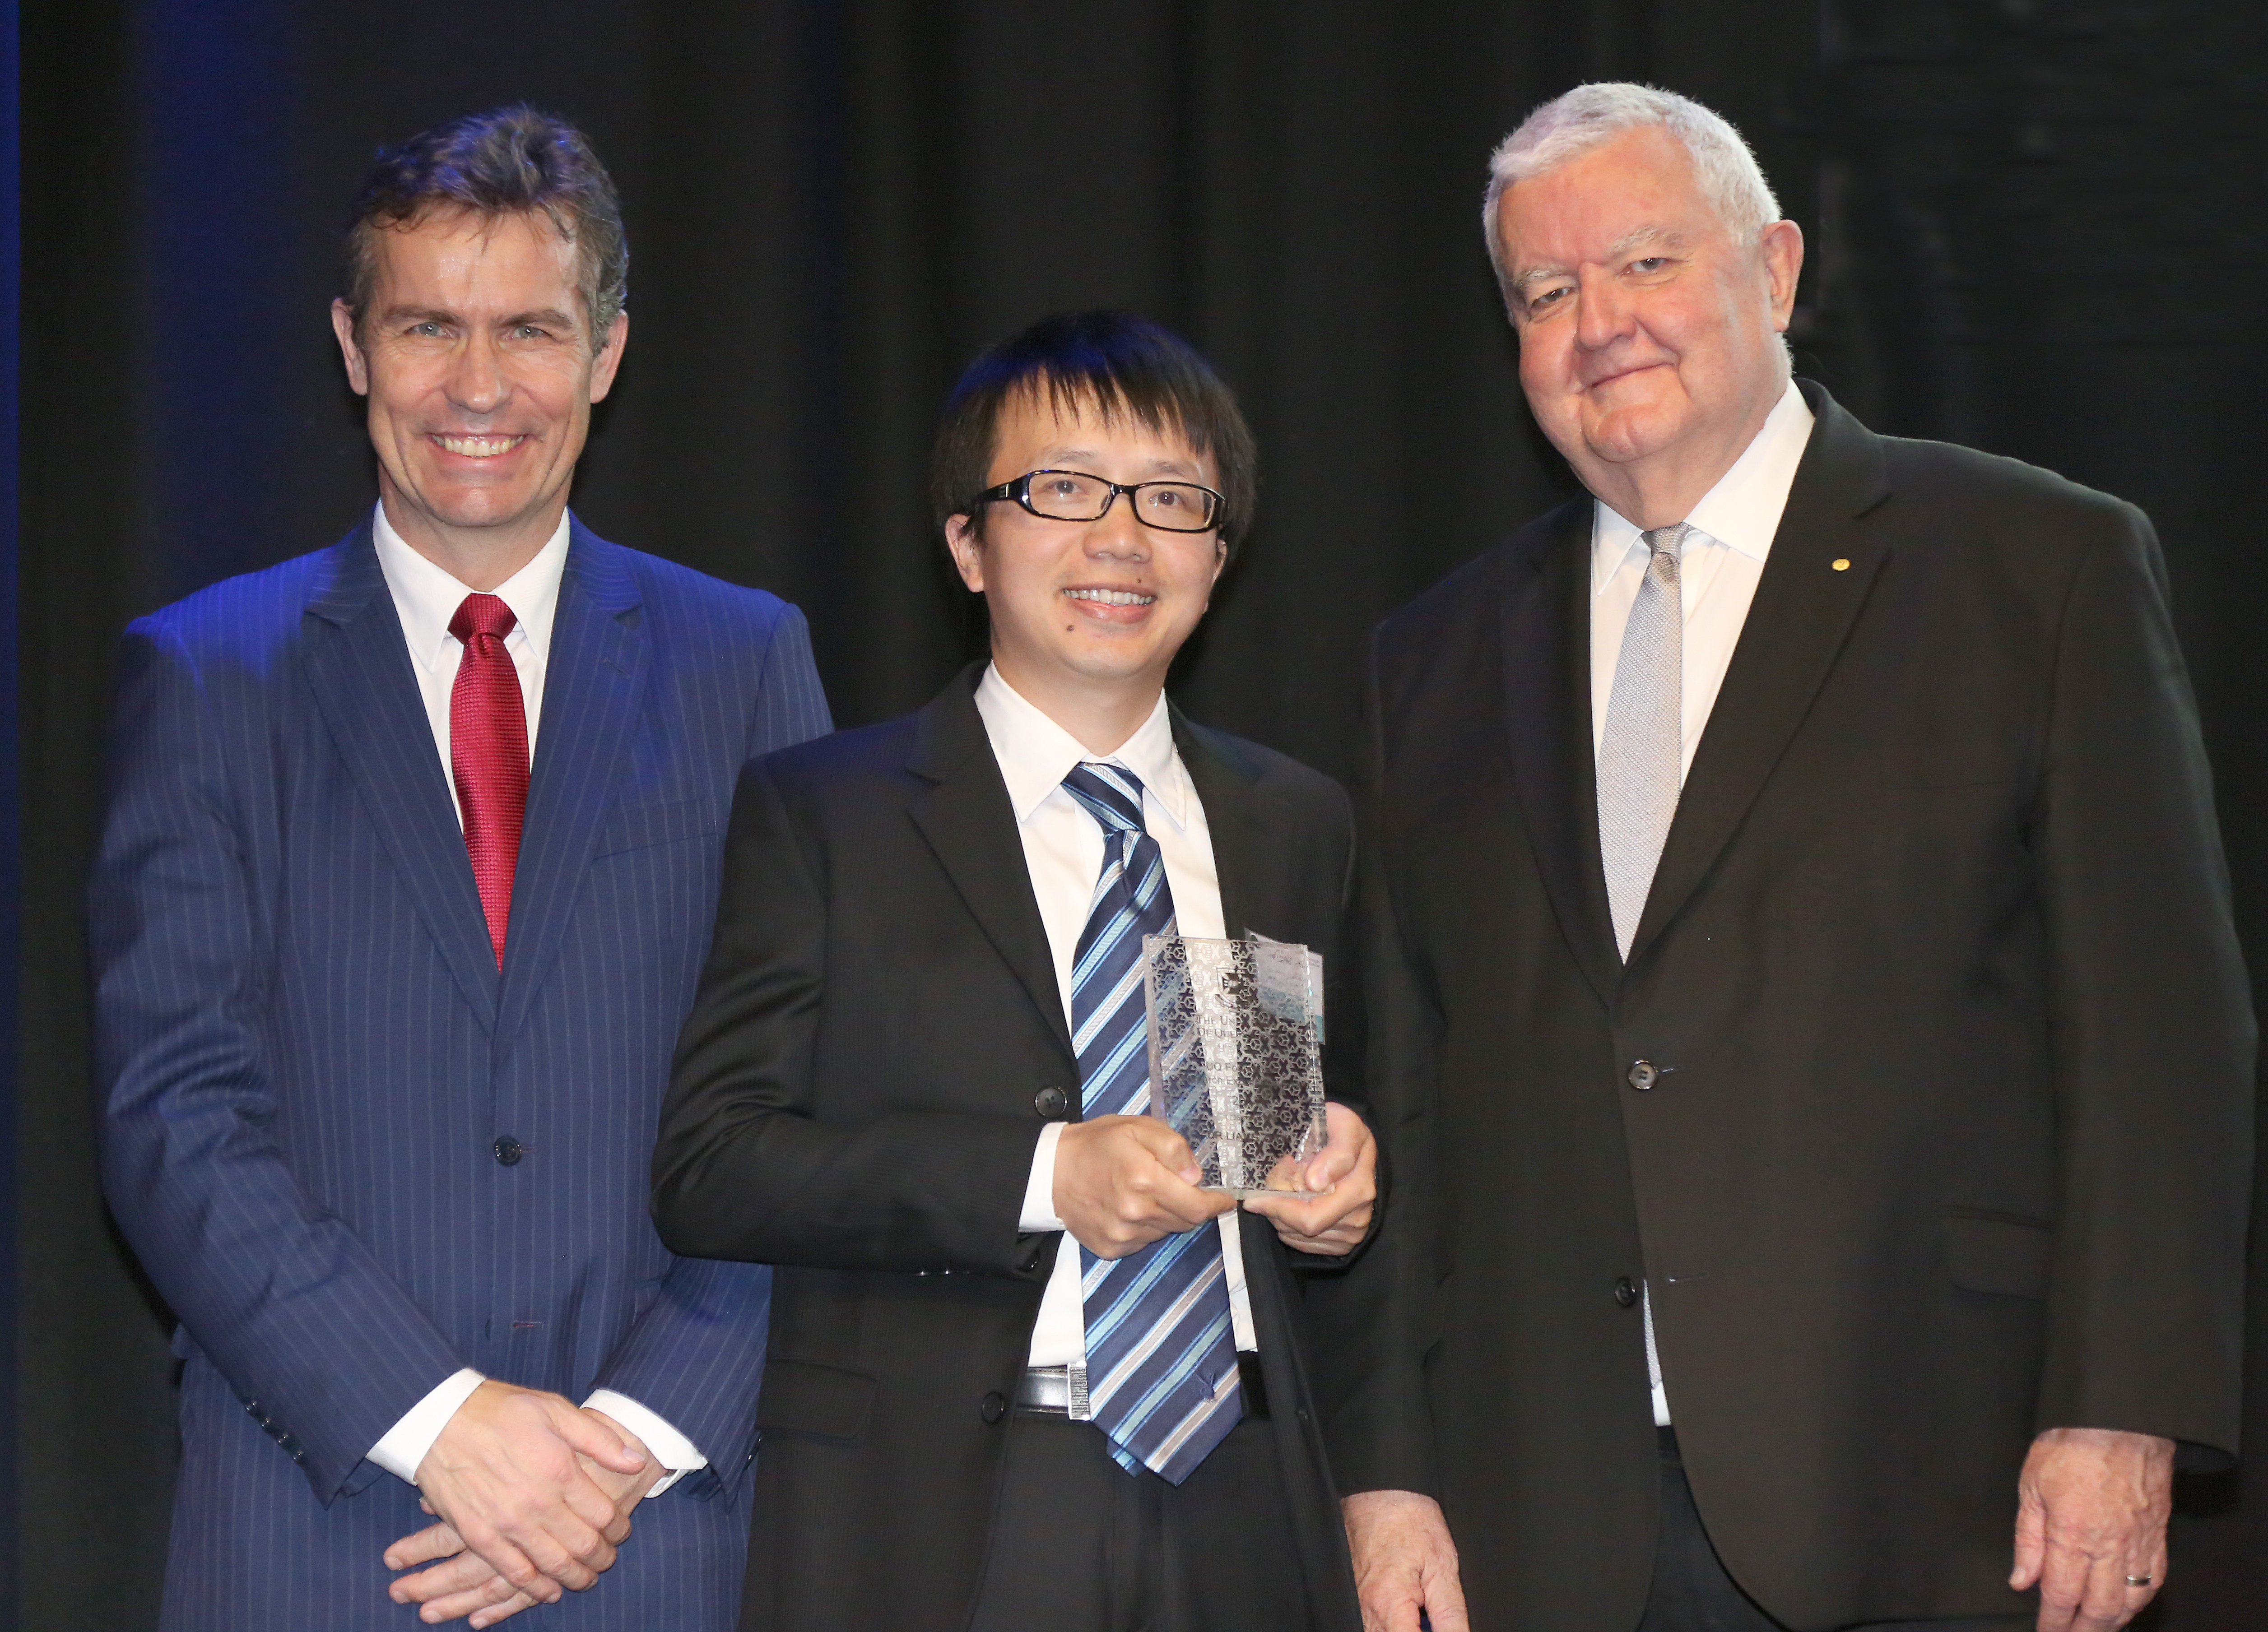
(1590, 116)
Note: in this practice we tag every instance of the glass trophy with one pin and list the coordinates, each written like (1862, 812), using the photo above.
(1236, 1032)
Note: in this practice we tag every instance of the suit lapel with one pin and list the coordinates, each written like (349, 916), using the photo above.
(971, 826)
(593, 693)
(1242, 835)
(1804, 607)
(358, 666)
(1547, 675)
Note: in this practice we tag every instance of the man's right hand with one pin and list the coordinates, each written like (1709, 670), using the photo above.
(503, 1475)
(1122, 1182)
(1404, 1562)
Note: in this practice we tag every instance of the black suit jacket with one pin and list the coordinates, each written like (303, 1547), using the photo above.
(1950, 1128)
(878, 1041)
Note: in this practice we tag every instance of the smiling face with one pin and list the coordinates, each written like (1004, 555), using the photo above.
(1649, 342)
(1087, 615)
(475, 354)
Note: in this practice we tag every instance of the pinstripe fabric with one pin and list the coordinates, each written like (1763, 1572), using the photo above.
(307, 1053)
(1161, 1355)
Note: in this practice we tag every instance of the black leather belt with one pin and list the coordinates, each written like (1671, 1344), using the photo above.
(1047, 1390)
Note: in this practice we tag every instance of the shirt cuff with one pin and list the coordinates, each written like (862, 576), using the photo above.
(1040, 1189)
(672, 1450)
(404, 1447)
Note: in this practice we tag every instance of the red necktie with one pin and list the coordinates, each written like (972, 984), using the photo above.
(488, 752)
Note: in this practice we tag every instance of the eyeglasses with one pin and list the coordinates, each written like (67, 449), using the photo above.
(1074, 496)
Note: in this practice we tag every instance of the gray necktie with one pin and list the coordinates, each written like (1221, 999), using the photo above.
(1640, 755)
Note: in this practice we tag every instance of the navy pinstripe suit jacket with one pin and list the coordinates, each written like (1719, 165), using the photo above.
(307, 1057)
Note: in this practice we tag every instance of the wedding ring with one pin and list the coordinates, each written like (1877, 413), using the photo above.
(2137, 1580)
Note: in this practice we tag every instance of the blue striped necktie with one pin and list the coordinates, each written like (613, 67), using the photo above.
(1160, 1353)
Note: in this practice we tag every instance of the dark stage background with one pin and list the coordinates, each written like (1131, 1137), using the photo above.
(2035, 226)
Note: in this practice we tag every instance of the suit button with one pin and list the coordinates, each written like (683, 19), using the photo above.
(1643, 1074)
(993, 1406)
(1052, 1103)
(1625, 1291)
(508, 1150)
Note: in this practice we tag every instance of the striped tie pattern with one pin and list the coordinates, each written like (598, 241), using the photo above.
(1160, 1353)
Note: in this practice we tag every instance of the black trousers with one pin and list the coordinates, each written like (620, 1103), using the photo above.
(1082, 1545)
(1692, 1592)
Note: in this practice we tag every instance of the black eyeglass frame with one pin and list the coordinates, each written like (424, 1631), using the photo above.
(1019, 489)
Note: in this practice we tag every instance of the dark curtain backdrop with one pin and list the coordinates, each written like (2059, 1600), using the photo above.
(2035, 225)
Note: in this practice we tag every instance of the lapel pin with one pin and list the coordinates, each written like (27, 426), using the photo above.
(1842, 563)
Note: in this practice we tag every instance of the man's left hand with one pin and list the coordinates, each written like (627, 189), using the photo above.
(2092, 1505)
(464, 1584)
(1342, 1175)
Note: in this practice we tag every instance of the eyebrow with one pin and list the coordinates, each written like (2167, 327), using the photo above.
(1168, 467)
(548, 317)
(1636, 239)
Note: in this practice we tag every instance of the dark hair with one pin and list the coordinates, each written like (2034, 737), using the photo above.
(1121, 363)
(509, 161)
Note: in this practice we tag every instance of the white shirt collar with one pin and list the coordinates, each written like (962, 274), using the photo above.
(1741, 511)
(428, 596)
(1035, 754)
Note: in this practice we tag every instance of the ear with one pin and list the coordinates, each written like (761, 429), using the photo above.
(1219, 560)
(342, 325)
(967, 550)
(610, 357)
(1782, 247)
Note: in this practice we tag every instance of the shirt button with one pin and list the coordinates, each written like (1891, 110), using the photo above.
(1050, 1103)
(993, 1406)
(508, 1150)
(1643, 1074)
(1625, 1291)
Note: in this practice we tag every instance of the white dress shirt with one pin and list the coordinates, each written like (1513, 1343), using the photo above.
(426, 597)
(1722, 559)
(1063, 850)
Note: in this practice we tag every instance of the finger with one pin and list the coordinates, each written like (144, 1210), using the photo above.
(502, 1612)
(2031, 1543)
(508, 1560)
(2063, 1587)
(1445, 1596)
(556, 1563)
(456, 1605)
(461, 1574)
(1328, 1165)
(1159, 1139)
(1331, 1246)
(593, 1508)
(2110, 1603)
(424, 1546)
(588, 1552)
(1312, 1218)
(587, 1432)
(494, 1601)
(1181, 1205)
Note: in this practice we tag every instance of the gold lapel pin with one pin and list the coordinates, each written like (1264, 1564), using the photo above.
(1842, 563)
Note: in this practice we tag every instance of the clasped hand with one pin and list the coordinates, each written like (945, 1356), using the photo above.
(1122, 1182)
(532, 1496)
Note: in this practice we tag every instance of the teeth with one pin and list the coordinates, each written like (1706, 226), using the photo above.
(480, 447)
(1111, 598)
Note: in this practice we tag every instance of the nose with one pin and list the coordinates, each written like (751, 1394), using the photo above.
(1116, 533)
(477, 383)
(1602, 309)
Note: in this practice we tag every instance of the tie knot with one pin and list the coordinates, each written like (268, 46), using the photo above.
(1666, 540)
(481, 614)
(1111, 793)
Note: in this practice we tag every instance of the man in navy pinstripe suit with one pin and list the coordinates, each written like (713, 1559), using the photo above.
(408, 872)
